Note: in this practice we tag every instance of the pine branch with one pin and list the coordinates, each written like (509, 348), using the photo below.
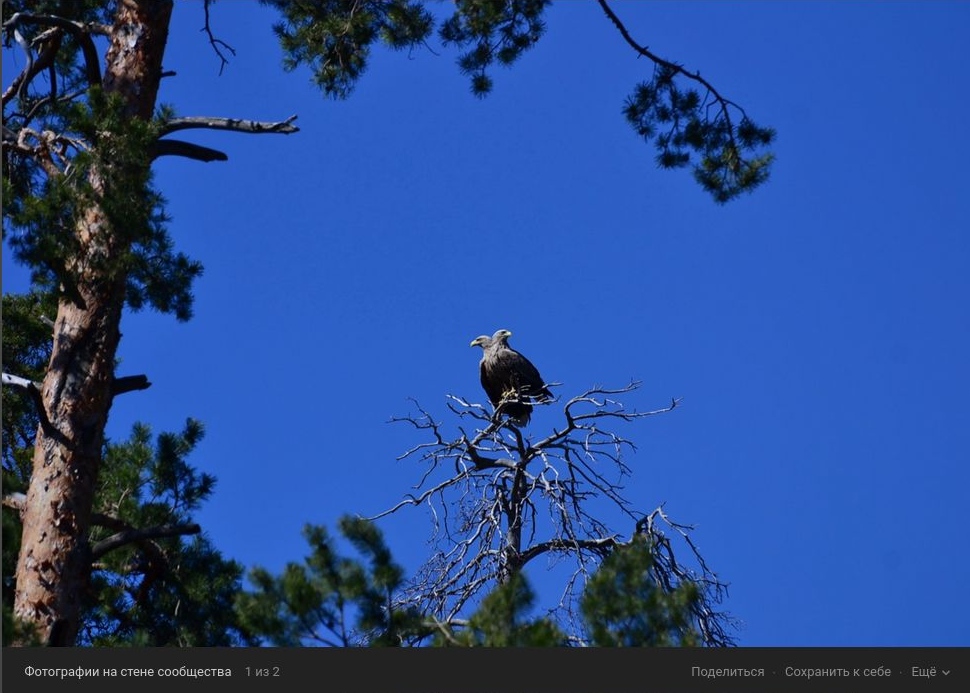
(673, 67)
(731, 157)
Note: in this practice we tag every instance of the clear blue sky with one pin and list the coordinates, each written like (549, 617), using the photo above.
(817, 330)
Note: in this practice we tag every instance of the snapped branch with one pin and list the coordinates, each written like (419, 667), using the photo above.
(33, 391)
(164, 147)
(253, 127)
(127, 383)
(186, 149)
(15, 501)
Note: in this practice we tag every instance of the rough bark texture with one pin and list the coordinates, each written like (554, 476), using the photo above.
(54, 564)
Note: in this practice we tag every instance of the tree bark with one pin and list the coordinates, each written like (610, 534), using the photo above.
(54, 565)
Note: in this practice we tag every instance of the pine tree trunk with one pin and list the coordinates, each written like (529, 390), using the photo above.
(54, 566)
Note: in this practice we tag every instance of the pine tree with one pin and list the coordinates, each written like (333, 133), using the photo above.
(81, 131)
(624, 606)
(154, 578)
(330, 599)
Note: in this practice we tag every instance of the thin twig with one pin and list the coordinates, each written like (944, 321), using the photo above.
(216, 43)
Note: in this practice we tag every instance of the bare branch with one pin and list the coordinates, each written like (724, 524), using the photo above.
(81, 33)
(667, 570)
(217, 44)
(15, 501)
(33, 391)
(44, 60)
(186, 149)
(17, 381)
(130, 535)
(120, 386)
(255, 127)
(599, 546)
(129, 383)
(499, 499)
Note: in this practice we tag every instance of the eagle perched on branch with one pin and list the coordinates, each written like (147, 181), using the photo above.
(510, 380)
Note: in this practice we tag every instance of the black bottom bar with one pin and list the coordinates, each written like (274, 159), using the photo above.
(489, 670)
